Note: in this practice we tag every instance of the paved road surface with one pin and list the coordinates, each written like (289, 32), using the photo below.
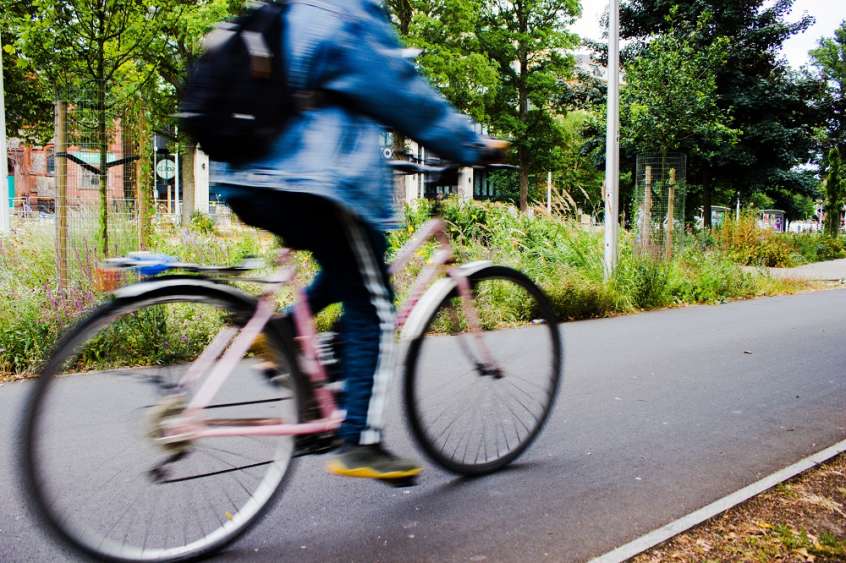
(661, 414)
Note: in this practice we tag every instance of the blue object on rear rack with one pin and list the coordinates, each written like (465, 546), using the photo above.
(148, 264)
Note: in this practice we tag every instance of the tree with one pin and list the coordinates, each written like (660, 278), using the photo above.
(171, 54)
(528, 41)
(573, 170)
(834, 185)
(669, 101)
(93, 43)
(830, 60)
(29, 99)
(452, 57)
(771, 105)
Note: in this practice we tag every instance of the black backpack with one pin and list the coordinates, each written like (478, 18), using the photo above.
(236, 100)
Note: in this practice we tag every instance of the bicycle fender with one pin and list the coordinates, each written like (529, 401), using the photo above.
(425, 307)
(149, 286)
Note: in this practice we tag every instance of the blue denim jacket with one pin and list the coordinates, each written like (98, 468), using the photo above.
(349, 49)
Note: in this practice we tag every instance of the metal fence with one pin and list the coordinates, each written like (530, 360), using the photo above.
(659, 203)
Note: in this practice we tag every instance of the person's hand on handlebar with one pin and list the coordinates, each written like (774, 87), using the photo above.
(495, 151)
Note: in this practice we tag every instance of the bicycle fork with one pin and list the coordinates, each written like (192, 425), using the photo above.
(485, 364)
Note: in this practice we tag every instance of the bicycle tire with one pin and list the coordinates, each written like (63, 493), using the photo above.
(412, 395)
(229, 300)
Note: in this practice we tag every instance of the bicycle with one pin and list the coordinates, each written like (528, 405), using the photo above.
(198, 483)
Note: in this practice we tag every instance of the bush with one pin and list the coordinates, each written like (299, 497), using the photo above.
(817, 247)
(34, 313)
(561, 256)
(202, 223)
(744, 242)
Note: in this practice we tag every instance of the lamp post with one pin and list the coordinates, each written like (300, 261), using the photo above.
(612, 143)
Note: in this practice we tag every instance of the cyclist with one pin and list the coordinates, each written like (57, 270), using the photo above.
(325, 187)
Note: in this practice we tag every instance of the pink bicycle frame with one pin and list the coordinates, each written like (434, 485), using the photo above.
(230, 346)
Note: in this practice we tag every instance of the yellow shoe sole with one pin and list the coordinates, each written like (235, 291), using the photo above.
(336, 468)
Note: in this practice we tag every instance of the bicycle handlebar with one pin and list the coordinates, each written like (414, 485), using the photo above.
(409, 167)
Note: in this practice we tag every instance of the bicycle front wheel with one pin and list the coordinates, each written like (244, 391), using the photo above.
(94, 473)
(468, 416)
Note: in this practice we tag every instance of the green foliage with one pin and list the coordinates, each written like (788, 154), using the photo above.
(568, 262)
(773, 108)
(565, 259)
(452, 57)
(29, 100)
(816, 248)
(748, 244)
(669, 102)
(527, 40)
(834, 188)
(33, 312)
(203, 224)
(830, 60)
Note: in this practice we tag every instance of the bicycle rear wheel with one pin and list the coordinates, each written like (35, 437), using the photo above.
(96, 478)
(466, 418)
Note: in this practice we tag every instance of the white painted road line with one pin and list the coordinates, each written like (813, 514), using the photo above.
(683, 524)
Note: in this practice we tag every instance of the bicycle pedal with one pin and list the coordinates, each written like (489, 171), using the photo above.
(272, 375)
(401, 483)
(317, 445)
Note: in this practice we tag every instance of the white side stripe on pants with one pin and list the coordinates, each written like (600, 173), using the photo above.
(380, 298)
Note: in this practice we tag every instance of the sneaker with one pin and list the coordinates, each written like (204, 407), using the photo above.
(372, 462)
(261, 349)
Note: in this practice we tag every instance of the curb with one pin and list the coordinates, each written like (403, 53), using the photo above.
(695, 518)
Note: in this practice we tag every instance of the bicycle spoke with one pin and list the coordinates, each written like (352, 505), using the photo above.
(479, 429)
(105, 500)
(519, 402)
(456, 398)
(448, 426)
(525, 393)
(515, 415)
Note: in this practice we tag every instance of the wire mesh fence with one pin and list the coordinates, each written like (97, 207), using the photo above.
(659, 203)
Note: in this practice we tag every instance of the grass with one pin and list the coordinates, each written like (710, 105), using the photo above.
(803, 519)
(745, 243)
(566, 260)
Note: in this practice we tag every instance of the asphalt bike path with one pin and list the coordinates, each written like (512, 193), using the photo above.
(660, 414)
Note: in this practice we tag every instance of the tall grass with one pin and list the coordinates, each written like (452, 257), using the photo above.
(565, 259)
(744, 242)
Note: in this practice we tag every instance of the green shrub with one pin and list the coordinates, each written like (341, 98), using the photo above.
(561, 256)
(202, 223)
(813, 247)
(744, 242)
(748, 244)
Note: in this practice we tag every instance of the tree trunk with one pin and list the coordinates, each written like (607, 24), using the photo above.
(523, 157)
(103, 145)
(142, 139)
(706, 206)
(523, 92)
(61, 195)
(404, 13)
(188, 186)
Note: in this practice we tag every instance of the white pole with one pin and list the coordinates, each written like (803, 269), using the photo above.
(176, 183)
(5, 215)
(612, 157)
(737, 217)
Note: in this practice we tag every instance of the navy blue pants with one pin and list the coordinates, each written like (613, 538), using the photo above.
(351, 255)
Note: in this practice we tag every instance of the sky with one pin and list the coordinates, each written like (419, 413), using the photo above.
(828, 13)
